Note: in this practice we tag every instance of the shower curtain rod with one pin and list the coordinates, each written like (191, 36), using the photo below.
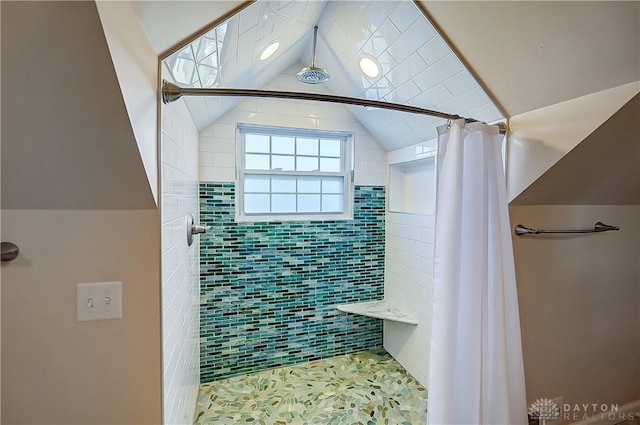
(172, 92)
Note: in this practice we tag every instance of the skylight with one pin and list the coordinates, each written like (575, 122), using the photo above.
(198, 63)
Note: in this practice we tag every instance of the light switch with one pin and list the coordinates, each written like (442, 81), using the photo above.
(99, 301)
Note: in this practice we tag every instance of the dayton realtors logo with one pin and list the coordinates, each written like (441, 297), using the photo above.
(544, 410)
(595, 411)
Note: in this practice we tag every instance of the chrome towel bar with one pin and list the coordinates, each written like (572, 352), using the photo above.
(598, 227)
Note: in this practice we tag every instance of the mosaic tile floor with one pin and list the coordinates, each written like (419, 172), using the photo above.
(367, 388)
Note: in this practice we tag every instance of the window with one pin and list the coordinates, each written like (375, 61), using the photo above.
(293, 174)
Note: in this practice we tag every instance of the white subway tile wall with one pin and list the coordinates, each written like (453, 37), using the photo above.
(217, 142)
(409, 277)
(180, 268)
(413, 152)
(408, 283)
(409, 244)
(412, 181)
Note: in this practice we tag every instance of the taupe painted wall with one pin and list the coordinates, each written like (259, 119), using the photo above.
(67, 142)
(76, 200)
(580, 304)
(56, 370)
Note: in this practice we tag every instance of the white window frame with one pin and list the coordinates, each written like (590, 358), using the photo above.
(346, 172)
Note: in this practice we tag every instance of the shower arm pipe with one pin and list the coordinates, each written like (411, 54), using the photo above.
(172, 92)
(315, 40)
(597, 228)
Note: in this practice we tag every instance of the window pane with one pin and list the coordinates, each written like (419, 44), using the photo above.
(285, 174)
(256, 143)
(332, 203)
(207, 75)
(257, 162)
(330, 164)
(332, 185)
(183, 68)
(308, 184)
(256, 183)
(306, 146)
(286, 184)
(254, 204)
(283, 203)
(307, 164)
(330, 147)
(283, 162)
(283, 145)
(206, 46)
(308, 203)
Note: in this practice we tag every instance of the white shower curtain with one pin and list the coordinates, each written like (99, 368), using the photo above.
(476, 371)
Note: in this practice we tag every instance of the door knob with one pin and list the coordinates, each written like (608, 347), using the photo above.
(9, 251)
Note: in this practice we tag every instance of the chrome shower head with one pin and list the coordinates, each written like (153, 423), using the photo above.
(312, 74)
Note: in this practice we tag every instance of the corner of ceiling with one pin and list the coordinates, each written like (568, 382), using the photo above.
(544, 144)
(136, 67)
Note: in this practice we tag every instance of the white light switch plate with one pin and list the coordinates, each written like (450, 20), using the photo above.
(99, 301)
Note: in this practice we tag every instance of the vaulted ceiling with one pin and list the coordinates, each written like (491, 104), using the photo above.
(527, 54)
(412, 63)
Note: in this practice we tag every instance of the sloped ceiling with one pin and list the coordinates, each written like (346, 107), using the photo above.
(529, 54)
(67, 143)
(415, 66)
(168, 23)
(602, 170)
(540, 138)
(533, 54)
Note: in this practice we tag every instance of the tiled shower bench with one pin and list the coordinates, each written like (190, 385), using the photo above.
(379, 309)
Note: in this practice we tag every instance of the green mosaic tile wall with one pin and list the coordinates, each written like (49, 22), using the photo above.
(268, 290)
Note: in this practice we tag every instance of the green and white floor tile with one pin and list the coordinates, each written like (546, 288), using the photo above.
(365, 388)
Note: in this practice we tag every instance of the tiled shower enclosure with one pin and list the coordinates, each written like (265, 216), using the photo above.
(269, 289)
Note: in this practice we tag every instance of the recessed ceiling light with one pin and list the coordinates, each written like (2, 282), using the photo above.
(369, 67)
(269, 50)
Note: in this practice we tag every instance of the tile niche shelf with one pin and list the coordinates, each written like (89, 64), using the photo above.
(412, 185)
(380, 310)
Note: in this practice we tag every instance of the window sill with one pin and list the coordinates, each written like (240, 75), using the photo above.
(280, 218)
